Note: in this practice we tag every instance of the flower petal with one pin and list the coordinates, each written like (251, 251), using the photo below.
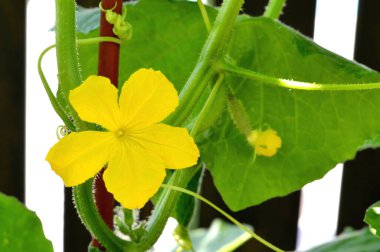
(95, 100)
(147, 98)
(133, 175)
(79, 156)
(174, 145)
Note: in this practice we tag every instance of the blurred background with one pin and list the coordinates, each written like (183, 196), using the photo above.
(28, 124)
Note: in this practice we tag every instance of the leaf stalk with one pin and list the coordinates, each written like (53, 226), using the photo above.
(292, 84)
(274, 8)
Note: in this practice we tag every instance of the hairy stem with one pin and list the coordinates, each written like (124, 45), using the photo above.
(94, 223)
(70, 78)
(52, 98)
(203, 72)
(67, 55)
(189, 96)
(207, 107)
(274, 8)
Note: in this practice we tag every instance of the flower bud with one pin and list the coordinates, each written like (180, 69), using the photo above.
(266, 143)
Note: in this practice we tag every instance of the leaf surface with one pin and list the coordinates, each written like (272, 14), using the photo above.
(351, 241)
(167, 36)
(220, 236)
(319, 129)
(20, 229)
(372, 218)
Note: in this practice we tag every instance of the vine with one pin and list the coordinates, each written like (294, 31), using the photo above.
(212, 65)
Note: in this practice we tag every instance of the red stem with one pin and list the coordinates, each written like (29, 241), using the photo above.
(108, 66)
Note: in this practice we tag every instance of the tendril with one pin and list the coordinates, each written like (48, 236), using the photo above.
(121, 28)
(232, 219)
(62, 130)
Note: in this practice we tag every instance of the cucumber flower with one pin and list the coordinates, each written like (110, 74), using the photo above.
(266, 143)
(136, 146)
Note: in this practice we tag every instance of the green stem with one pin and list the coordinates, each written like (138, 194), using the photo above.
(207, 107)
(69, 77)
(206, 19)
(67, 55)
(159, 216)
(274, 8)
(291, 84)
(94, 223)
(232, 219)
(203, 72)
(189, 97)
(164, 207)
(52, 98)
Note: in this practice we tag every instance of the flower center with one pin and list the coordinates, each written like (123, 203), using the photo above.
(120, 133)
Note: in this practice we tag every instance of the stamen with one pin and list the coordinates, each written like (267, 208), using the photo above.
(120, 133)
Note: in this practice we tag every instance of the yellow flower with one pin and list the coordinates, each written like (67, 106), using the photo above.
(265, 142)
(135, 145)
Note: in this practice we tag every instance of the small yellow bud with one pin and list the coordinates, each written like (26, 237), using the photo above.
(265, 142)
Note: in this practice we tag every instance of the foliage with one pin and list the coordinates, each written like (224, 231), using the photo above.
(372, 218)
(269, 109)
(316, 127)
(229, 237)
(351, 241)
(20, 229)
(319, 129)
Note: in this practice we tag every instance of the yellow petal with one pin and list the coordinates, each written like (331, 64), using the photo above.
(147, 97)
(79, 156)
(96, 101)
(174, 145)
(266, 143)
(133, 175)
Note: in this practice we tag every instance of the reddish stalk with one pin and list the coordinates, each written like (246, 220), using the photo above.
(108, 66)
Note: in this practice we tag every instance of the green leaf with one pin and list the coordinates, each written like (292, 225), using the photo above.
(221, 236)
(167, 36)
(318, 129)
(20, 228)
(351, 241)
(372, 218)
(185, 206)
(88, 19)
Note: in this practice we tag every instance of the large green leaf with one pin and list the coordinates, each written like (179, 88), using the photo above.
(351, 241)
(20, 228)
(318, 129)
(372, 218)
(167, 36)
